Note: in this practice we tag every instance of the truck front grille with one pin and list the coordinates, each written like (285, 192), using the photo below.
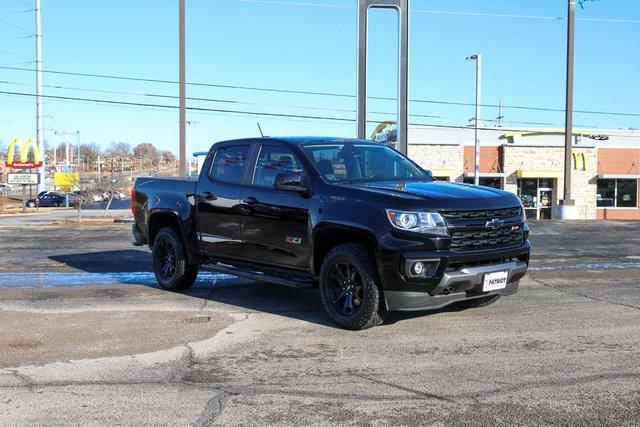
(478, 240)
(481, 214)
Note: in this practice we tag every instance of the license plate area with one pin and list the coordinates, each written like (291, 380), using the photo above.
(495, 281)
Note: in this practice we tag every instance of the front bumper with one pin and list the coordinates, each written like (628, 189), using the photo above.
(460, 285)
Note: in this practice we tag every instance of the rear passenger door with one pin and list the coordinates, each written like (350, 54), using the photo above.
(275, 223)
(218, 200)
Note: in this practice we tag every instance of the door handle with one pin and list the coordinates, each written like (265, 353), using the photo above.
(207, 195)
(251, 200)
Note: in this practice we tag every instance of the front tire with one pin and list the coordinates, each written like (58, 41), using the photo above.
(350, 288)
(170, 264)
(31, 205)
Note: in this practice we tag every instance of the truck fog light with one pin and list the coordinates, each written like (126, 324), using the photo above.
(418, 268)
(421, 268)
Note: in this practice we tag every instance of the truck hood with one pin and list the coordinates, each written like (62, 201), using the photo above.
(443, 195)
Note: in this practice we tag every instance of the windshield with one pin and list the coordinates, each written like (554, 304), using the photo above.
(362, 163)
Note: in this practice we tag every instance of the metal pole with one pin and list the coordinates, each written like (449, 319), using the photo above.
(403, 78)
(78, 142)
(568, 133)
(99, 171)
(39, 98)
(402, 6)
(182, 87)
(66, 151)
(361, 123)
(476, 175)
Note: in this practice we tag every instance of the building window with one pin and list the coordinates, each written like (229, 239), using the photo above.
(617, 193)
(485, 181)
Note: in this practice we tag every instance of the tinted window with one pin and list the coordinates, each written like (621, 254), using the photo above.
(627, 193)
(355, 162)
(272, 161)
(606, 193)
(229, 163)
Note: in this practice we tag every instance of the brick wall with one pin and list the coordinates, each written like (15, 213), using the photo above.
(490, 159)
(619, 161)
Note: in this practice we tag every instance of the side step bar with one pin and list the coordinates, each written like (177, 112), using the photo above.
(253, 275)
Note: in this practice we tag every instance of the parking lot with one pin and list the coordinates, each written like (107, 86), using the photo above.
(88, 337)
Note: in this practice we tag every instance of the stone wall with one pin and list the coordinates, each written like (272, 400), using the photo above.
(583, 176)
(443, 156)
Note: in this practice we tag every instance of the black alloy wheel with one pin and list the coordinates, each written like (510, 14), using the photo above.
(170, 263)
(166, 256)
(350, 288)
(346, 288)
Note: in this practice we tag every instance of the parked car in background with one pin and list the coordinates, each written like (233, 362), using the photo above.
(47, 200)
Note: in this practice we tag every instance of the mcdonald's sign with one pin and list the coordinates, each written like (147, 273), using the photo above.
(579, 161)
(23, 161)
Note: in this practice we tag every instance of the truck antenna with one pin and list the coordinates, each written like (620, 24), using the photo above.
(260, 129)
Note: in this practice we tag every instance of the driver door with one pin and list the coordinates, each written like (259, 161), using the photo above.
(275, 223)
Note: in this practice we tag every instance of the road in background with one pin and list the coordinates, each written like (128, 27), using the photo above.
(88, 337)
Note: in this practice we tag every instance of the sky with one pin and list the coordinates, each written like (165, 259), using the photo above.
(309, 45)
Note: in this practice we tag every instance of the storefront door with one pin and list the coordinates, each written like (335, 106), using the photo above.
(545, 202)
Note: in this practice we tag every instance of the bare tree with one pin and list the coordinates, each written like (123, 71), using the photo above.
(147, 151)
(113, 185)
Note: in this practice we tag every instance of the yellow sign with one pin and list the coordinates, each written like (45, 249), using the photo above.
(66, 180)
(579, 161)
(23, 151)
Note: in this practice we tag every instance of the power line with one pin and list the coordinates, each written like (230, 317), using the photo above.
(226, 101)
(447, 12)
(17, 26)
(244, 112)
(317, 93)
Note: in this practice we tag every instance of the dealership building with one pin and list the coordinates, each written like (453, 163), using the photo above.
(604, 175)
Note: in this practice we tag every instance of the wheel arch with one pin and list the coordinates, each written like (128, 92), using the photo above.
(328, 236)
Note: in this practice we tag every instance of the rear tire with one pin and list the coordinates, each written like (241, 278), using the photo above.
(350, 288)
(478, 302)
(170, 264)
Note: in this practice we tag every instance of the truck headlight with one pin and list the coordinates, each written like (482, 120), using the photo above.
(419, 222)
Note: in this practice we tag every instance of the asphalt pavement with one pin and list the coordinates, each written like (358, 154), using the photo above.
(87, 337)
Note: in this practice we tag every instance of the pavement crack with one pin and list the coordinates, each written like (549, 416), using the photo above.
(213, 409)
(403, 388)
(580, 294)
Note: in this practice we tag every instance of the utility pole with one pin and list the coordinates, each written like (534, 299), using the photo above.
(568, 132)
(78, 159)
(500, 114)
(39, 98)
(99, 171)
(478, 60)
(182, 87)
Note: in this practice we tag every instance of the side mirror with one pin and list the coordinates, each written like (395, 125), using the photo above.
(293, 181)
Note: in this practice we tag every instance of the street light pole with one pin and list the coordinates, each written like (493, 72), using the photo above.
(182, 87)
(568, 132)
(39, 98)
(478, 60)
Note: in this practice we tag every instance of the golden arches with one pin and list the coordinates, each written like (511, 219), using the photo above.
(23, 151)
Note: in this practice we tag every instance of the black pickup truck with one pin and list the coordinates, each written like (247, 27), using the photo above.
(357, 219)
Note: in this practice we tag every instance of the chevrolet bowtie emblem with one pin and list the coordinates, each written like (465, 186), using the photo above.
(494, 223)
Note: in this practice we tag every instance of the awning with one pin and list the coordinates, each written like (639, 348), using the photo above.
(539, 173)
(444, 172)
(486, 174)
(617, 176)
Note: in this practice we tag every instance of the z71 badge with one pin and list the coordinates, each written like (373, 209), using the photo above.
(293, 240)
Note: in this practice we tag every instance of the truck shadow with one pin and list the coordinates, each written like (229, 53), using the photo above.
(134, 267)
